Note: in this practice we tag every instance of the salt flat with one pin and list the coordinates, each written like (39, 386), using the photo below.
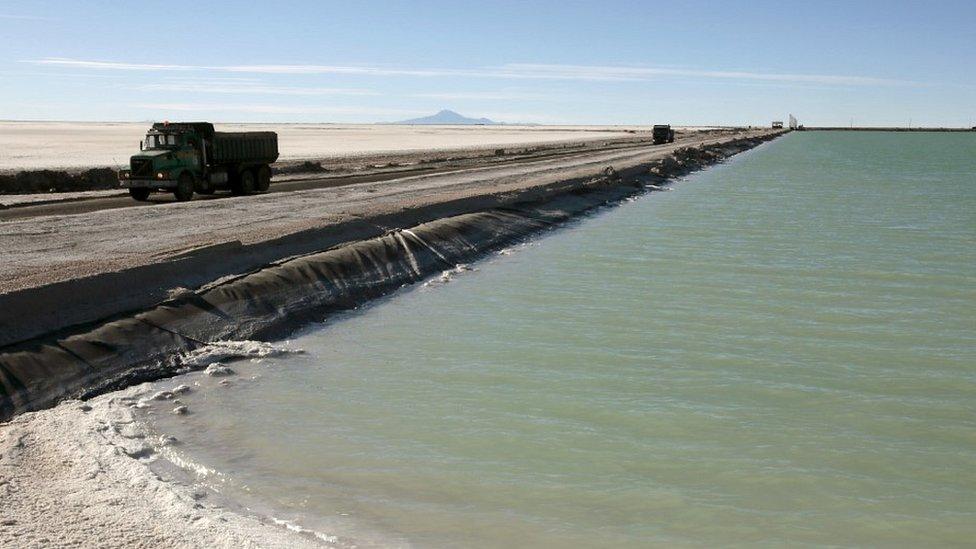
(50, 145)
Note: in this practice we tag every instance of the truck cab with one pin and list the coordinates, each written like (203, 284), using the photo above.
(166, 156)
(188, 157)
(662, 133)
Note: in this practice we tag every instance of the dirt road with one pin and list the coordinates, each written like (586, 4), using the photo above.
(350, 171)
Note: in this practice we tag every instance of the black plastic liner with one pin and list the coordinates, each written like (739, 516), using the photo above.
(266, 304)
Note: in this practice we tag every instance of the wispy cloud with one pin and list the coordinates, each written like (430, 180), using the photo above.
(524, 71)
(109, 65)
(273, 109)
(250, 88)
(17, 17)
(55, 74)
(254, 69)
(220, 79)
(486, 96)
(571, 72)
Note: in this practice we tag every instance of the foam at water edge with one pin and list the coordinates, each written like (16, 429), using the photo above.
(296, 528)
(223, 350)
(200, 471)
(449, 275)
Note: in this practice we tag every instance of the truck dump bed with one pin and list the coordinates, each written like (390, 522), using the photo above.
(244, 147)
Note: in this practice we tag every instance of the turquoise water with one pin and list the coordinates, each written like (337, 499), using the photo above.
(781, 350)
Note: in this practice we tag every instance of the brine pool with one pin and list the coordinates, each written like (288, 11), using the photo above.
(780, 350)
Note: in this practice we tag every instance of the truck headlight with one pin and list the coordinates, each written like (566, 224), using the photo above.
(160, 175)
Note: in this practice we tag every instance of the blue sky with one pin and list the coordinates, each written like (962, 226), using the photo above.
(562, 62)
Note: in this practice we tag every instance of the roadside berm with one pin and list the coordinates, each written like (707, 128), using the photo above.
(272, 264)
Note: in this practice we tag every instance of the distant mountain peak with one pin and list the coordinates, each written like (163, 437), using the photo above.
(448, 117)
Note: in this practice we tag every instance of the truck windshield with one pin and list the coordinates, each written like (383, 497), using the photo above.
(160, 140)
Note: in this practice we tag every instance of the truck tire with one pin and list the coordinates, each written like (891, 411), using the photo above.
(244, 183)
(184, 187)
(263, 178)
(139, 193)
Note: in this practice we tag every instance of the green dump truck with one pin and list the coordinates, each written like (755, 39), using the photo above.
(662, 133)
(188, 157)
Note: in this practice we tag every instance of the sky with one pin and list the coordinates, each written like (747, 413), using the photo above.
(866, 63)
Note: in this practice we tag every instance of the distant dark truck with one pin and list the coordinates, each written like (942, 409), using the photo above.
(188, 157)
(662, 133)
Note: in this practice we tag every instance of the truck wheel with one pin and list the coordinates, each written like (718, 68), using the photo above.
(245, 183)
(263, 179)
(184, 187)
(139, 193)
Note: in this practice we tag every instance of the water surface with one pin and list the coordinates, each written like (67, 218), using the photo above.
(780, 350)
